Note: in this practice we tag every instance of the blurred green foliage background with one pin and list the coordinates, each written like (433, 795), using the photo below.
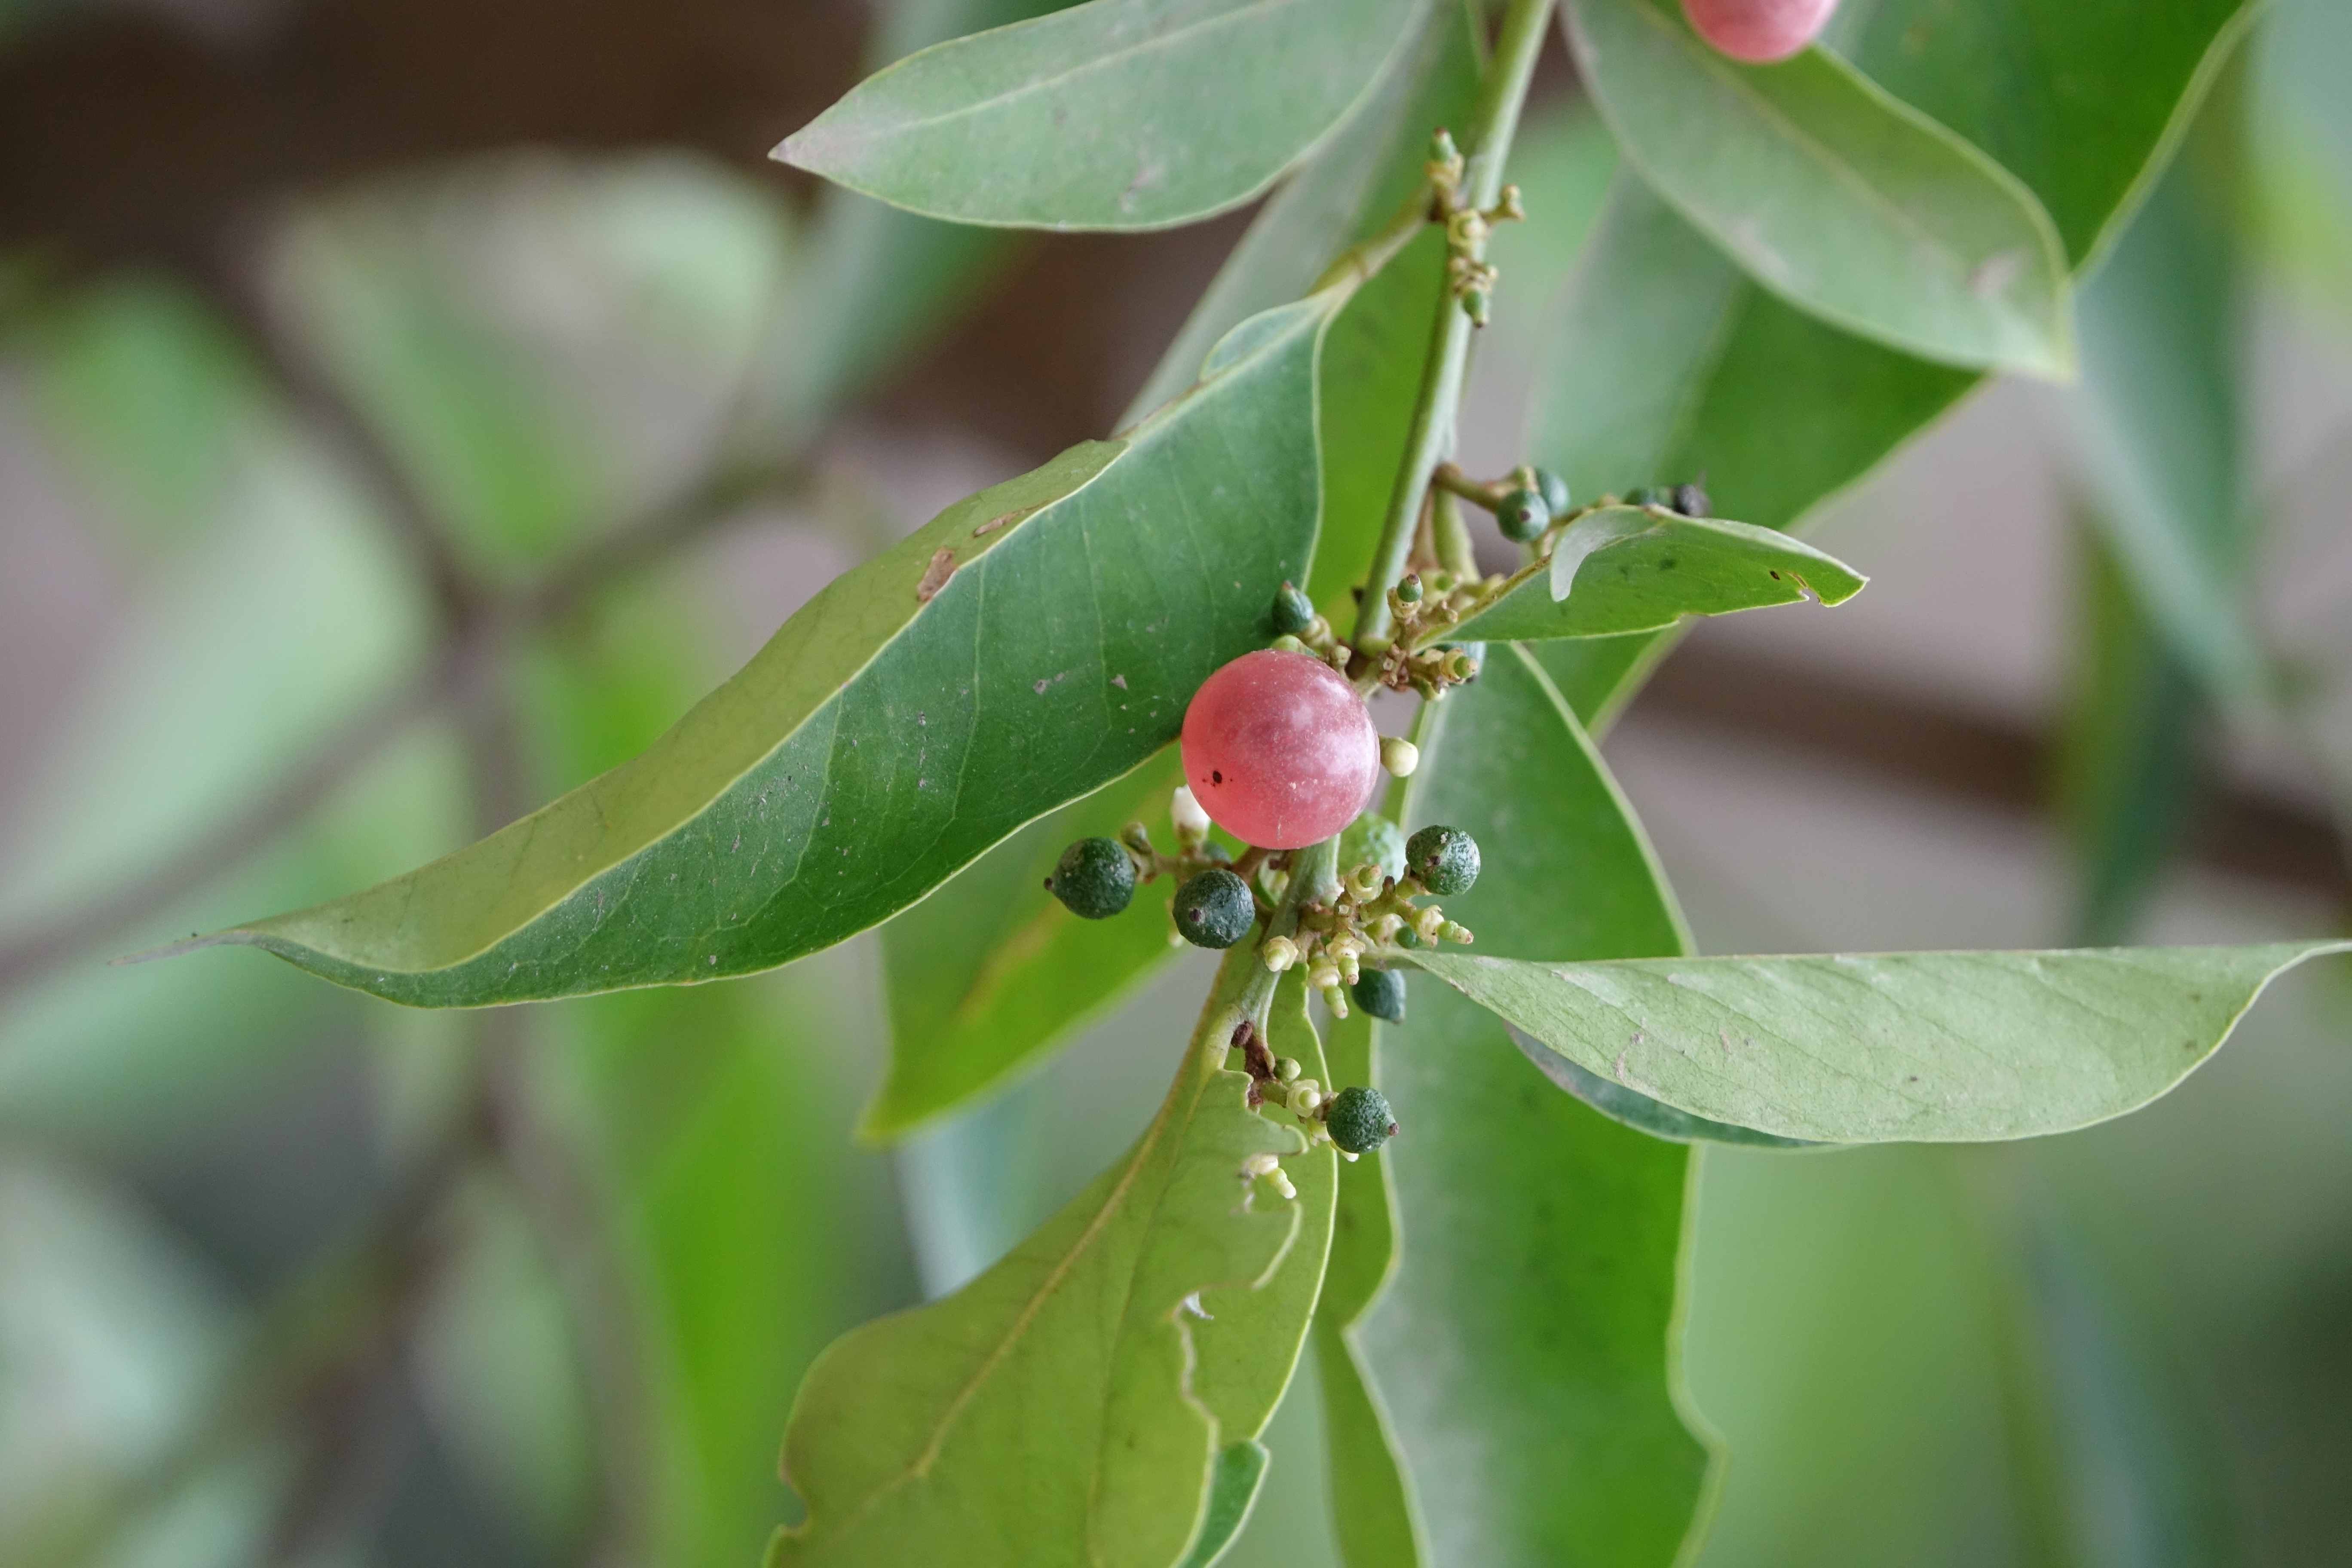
(357, 497)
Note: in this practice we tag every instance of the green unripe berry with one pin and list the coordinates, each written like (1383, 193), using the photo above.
(1409, 589)
(1294, 612)
(1554, 489)
(1381, 992)
(1288, 1068)
(1373, 839)
(1359, 1120)
(1444, 858)
(1214, 908)
(1522, 515)
(1094, 878)
(1692, 500)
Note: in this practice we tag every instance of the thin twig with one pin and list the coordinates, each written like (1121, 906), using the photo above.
(1493, 124)
(237, 290)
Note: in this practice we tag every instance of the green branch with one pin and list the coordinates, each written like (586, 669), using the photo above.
(1493, 123)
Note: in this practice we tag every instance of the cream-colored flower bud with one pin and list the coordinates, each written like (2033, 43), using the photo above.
(1288, 1068)
(1256, 1165)
(1428, 922)
(1400, 756)
(1192, 823)
(1278, 953)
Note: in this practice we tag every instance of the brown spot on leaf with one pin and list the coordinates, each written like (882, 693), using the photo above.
(935, 575)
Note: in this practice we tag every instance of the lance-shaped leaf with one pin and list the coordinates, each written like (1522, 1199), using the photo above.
(1921, 1047)
(1525, 1345)
(1024, 646)
(1372, 1511)
(1635, 569)
(1047, 1411)
(1116, 114)
(1833, 194)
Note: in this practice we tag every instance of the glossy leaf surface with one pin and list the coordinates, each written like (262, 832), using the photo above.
(1115, 114)
(1634, 569)
(991, 969)
(1045, 1412)
(1832, 193)
(1920, 1048)
(1523, 1346)
(1027, 645)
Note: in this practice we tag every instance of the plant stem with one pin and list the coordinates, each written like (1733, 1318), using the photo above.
(1493, 124)
(1311, 869)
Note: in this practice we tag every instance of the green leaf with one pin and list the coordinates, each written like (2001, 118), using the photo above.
(1632, 1109)
(2161, 416)
(1631, 569)
(1341, 195)
(2082, 100)
(1679, 365)
(1372, 1511)
(1119, 114)
(991, 970)
(1919, 1047)
(1029, 644)
(1232, 1489)
(1249, 1341)
(1045, 1412)
(1524, 1347)
(2129, 756)
(1833, 194)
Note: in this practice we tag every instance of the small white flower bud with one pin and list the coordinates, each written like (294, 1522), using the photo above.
(1452, 931)
(1281, 1183)
(1287, 1069)
(1400, 756)
(1334, 997)
(1191, 822)
(1278, 953)
(1261, 1165)
(1428, 922)
(1303, 1101)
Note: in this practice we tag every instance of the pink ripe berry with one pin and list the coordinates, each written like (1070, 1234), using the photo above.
(1759, 31)
(1279, 749)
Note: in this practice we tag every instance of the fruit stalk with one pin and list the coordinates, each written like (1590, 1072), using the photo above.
(1493, 124)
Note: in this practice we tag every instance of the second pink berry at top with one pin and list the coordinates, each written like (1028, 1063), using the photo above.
(1279, 749)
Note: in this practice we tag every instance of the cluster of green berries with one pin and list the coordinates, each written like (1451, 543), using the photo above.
(1375, 908)
(1096, 878)
(1524, 503)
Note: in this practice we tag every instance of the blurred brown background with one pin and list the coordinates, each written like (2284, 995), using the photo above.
(407, 410)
